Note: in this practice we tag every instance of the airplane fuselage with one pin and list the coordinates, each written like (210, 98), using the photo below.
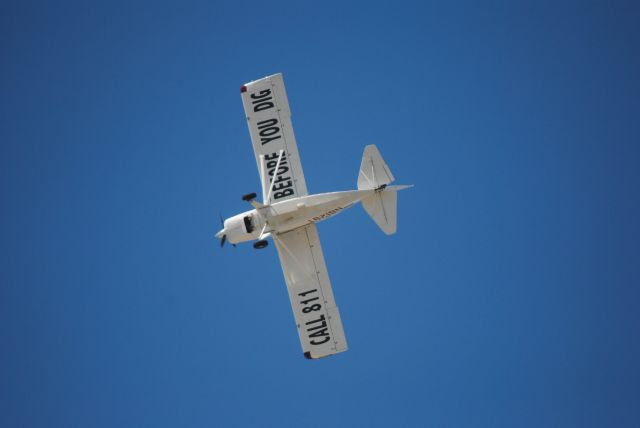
(282, 217)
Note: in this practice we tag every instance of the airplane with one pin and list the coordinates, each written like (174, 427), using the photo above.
(288, 214)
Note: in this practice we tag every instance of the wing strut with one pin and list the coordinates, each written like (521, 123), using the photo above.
(273, 181)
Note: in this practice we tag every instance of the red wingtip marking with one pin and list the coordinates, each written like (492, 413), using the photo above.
(243, 89)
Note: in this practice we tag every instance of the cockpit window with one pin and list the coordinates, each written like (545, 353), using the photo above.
(248, 224)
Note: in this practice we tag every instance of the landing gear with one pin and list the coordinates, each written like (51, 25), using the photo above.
(261, 244)
(250, 197)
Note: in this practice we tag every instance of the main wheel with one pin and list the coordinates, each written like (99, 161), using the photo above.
(260, 244)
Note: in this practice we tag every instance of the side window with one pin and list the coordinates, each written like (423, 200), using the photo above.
(248, 224)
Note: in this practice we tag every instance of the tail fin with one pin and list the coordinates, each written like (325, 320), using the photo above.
(381, 205)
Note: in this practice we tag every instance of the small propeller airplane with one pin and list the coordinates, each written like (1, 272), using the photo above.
(288, 214)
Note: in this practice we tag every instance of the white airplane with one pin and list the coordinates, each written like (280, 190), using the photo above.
(288, 214)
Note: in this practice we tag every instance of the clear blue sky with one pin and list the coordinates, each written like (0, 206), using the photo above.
(509, 296)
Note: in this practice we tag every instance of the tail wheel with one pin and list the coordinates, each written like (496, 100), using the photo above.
(260, 244)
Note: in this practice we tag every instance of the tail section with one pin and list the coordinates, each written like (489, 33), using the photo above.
(382, 207)
(376, 175)
(373, 171)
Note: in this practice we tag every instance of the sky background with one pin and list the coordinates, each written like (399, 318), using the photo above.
(509, 296)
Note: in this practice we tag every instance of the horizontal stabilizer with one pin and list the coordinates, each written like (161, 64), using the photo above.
(373, 171)
(383, 203)
(382, 207)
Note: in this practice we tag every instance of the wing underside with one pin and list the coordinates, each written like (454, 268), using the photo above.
(314, 308)
(268, 116)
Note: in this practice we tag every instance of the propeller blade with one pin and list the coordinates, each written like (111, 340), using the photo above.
(223, 240)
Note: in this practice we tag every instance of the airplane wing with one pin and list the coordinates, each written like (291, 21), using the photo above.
(314, 308)
(269, 118)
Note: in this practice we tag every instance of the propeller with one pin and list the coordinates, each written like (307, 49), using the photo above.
(221, 235)
(223, 239)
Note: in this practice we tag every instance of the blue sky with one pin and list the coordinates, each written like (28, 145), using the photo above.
(508, 297)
